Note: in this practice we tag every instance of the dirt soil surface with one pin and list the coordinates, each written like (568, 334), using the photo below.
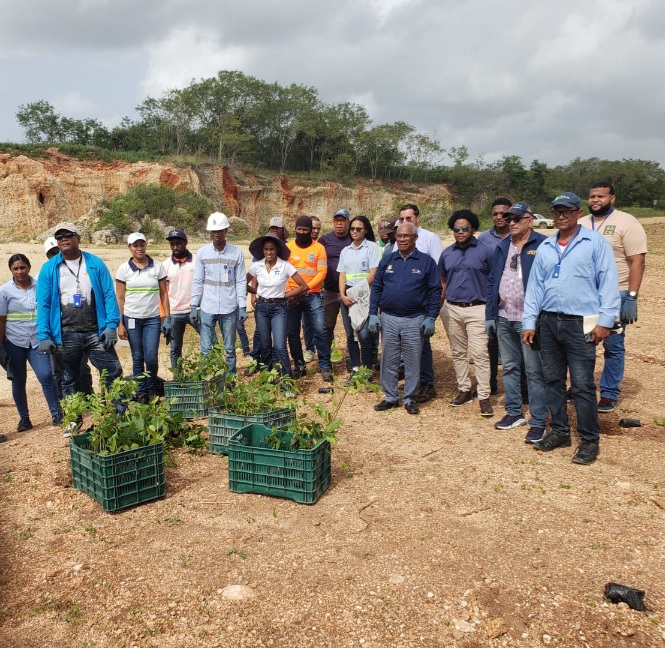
(437, 530)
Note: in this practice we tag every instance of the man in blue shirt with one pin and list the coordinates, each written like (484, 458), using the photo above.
(407, 290)
(465, 267)
(573, 299)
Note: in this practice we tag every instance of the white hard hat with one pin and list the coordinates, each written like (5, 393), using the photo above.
(217, 221)
(49, 244)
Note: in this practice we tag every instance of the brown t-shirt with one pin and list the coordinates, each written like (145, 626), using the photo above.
(626, 236)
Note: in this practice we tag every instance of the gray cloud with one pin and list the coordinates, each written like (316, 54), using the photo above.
(551, 81)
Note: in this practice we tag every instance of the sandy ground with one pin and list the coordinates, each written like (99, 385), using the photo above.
(437, 530)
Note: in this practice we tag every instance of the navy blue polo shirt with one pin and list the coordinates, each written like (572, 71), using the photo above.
(406, 287)
(334, 245)
(466, 271)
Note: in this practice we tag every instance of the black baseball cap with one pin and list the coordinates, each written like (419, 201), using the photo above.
(176, 233)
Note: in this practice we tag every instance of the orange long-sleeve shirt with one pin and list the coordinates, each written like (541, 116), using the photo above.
(311, 263)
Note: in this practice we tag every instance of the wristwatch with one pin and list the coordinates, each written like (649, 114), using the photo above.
(632, 294)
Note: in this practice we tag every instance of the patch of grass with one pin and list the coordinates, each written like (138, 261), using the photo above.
(565, 485)
(234, 551)
(173, 521)
(26, 533)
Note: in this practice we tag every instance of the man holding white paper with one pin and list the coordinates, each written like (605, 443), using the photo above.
(573, 276)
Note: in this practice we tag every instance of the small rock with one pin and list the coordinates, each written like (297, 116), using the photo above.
(396, 579)
(623, 606)
(546, 639)
(464, 626)
(496, 627)
(238, 592)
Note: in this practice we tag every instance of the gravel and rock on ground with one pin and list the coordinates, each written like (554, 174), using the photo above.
(437, 529)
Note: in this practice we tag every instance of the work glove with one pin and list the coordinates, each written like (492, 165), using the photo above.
(48, 346)
(242, 314)
(194, 316)
(166, 329)
(4, 358)
(490, 328)
(427, 327)
(108, 338)
(629, 311)
(374, 324)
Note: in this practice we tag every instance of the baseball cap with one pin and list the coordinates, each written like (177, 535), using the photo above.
(386, 226)
(567, 199)
(276, 221)
(343, 213)
(49, 244)
(67, 227)
(136, 236)
(520, 209)
(176, 233)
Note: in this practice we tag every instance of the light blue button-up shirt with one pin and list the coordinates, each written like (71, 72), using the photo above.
(587, 281)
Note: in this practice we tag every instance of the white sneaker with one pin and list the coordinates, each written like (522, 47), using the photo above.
(69, 430)
(308, 356)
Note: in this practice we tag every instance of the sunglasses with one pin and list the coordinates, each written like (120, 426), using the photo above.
(457, 230)
(356, 229)
(513, 261)
(515, 219)
(66, 235)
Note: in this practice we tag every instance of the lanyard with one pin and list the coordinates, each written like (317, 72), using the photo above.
(76, 276)
(593, 224)
(557, 267)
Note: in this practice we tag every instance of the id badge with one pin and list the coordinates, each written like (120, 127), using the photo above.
(76, 300)
(131, 323)
(557, 269)
(225, 276)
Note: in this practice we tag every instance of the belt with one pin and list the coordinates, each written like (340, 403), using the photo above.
(562, 316)
(466, 304)
(273, 300)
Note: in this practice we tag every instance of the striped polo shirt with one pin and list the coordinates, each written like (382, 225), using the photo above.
(141, 288)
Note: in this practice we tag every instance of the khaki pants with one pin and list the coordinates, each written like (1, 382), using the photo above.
(465, 328)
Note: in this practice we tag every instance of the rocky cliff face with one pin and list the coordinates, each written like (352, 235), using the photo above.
(35, 194)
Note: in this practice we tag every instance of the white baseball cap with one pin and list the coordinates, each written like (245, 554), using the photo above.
(49, 244)
(136, 236)
(217, 221)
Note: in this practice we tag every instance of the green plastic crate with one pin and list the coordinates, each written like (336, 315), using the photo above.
(222, 425)
(191, 398)
(300, 475)
(120, 480)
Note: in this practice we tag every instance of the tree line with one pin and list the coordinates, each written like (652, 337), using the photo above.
(239, 120)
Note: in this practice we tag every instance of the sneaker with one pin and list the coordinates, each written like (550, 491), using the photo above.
(251, 370)
(412, 408)
(299, 372)
(606, 405)
(384, 405)
(69, 430)
(553, 440)
(24, 424)
(509, 422)
(327, 375)
(486, 408)
(534, 434)
(308, 356)
(56, 419)
(426, 392)
(349, 380)
(586, 453)
(461, 398)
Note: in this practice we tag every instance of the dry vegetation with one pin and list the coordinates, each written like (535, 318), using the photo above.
(437, 530)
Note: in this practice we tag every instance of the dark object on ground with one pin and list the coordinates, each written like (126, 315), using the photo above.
(325, 390)
(159, 385)
(618, 593)
(629, 422)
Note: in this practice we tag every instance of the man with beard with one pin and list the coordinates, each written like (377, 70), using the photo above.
(308, 257)
(629, 242)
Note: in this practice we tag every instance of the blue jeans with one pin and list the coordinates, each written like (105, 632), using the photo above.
(614, 352)
(85, 376)
(242, 334)
(227, 326)
(271, 325)
(178, 325)
(368, 341)
(311, 305)
(427, 364)
(41, 365)
(74, 347)
(401, 338)
(308, 334)
(514, 353)
(562, 348)
(144, 344)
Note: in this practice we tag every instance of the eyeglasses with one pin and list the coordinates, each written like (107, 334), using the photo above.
(513, 261)
(457, 230)
(66, 235)
(356, 229)
(564, 213)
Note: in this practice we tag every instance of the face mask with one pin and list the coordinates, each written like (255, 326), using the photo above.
(303, 240)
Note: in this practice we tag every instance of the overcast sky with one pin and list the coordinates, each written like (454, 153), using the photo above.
(534, 78)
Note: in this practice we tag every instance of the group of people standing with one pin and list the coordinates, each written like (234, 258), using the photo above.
(541, 304)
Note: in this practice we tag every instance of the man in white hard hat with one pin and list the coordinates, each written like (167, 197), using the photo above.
(219, 289)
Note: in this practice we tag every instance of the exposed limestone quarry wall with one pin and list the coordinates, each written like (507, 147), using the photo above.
(35, 194)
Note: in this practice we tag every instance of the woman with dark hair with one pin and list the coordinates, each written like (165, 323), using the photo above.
(357, 266)
(272, 272)
(19, 344)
